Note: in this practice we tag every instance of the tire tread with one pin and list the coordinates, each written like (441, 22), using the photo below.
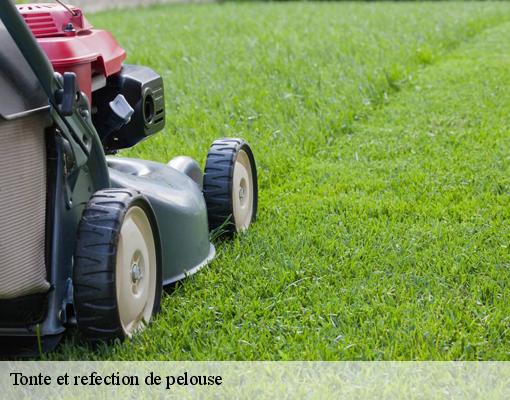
(217, 188)
(95, 300)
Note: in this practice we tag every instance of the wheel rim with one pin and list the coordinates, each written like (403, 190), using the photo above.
(242, 192)
(135, 271)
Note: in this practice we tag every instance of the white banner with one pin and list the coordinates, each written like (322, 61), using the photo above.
(260, 380)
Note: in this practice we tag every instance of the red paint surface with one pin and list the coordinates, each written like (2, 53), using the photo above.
(83, 50)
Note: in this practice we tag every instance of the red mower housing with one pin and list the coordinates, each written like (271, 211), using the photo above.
(72, 45)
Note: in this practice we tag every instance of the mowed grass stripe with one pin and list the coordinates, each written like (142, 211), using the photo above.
(381, 238)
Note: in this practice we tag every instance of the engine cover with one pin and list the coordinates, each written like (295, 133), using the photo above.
(71, 43)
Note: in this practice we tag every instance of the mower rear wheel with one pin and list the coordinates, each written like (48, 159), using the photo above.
(117, 268)
(230, 186)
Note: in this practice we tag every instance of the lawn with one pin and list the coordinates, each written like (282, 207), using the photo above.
(382, 138)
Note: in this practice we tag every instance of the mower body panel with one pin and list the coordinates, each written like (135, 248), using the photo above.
(180, 210)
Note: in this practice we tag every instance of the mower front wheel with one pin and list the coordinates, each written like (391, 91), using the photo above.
(117, 273)
(230, 186)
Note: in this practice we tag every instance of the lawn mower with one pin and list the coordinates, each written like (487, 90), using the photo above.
(88, 238)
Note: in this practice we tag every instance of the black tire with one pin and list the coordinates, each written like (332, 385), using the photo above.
(95, 273)
(219, 183)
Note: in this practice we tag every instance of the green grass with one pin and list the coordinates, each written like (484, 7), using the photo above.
(382, 140)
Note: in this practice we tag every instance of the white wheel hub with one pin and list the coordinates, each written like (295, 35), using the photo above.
(242, 192)
(135, 271)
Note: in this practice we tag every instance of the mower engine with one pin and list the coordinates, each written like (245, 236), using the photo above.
(127, 101)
